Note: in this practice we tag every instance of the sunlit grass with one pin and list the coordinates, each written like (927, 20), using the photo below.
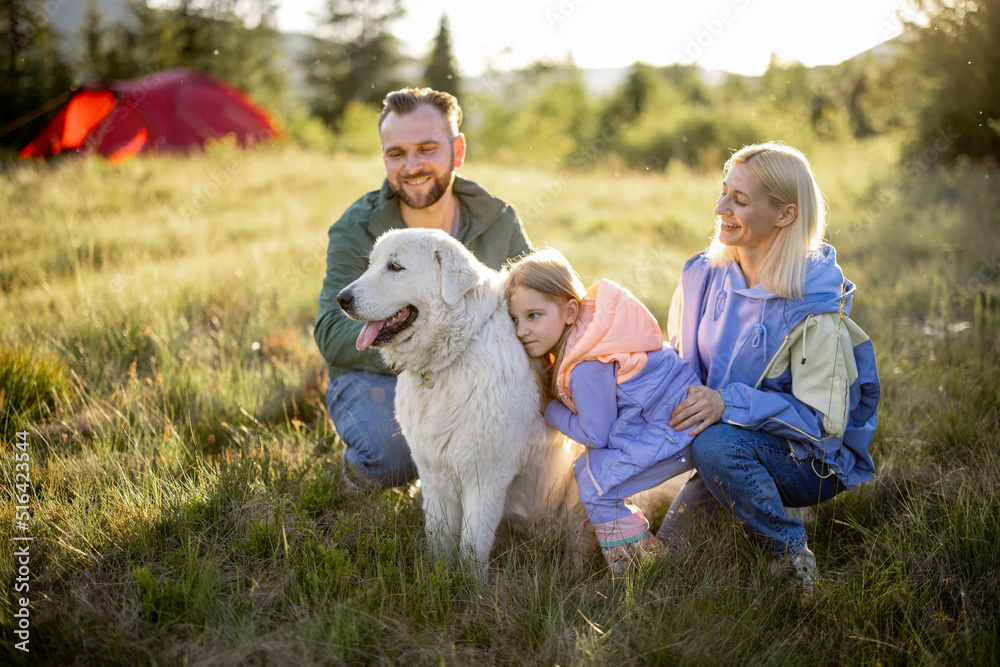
(187, 506)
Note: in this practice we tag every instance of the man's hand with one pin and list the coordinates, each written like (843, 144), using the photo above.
(702, 405)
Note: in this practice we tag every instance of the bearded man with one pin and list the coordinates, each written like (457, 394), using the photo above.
(421, 149)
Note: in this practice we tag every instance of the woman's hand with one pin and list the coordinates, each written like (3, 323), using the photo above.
(701, 405)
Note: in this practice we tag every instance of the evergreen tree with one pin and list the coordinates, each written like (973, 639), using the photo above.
(220, 37)
(232, 40)
(104, 58)
(630, 100)
(356, 58)
(441, 73)
(855, 107)
(958, 54)
(34, 75)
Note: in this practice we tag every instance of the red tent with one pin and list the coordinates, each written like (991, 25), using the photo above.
(175, 110)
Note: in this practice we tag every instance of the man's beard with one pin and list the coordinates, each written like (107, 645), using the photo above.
(439, 185)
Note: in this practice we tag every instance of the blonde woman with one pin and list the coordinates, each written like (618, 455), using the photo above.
(789, 402)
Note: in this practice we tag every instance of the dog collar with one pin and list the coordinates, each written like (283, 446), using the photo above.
(428, 378)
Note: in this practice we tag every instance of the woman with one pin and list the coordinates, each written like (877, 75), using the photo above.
(790, 395)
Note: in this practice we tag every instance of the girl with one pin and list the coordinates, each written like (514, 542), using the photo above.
(609, 383)
(790, 395)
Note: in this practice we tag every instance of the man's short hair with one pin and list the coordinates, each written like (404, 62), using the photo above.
(407, 99)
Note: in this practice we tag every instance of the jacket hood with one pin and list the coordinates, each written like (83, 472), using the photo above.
(825, 282)
(824, 288)
(613, 326)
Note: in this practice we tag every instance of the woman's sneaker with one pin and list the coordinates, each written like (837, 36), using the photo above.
(802, 567)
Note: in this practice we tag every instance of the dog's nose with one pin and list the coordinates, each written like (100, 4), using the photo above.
(345, 299)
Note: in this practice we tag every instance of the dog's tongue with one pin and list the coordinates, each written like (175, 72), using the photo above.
(368, 334)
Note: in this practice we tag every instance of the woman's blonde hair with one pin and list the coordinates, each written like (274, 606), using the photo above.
(548, 272)
(783, 175)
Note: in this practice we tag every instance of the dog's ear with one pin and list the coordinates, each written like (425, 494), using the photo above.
(457, 274)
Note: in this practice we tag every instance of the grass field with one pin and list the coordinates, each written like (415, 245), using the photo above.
(186, 503)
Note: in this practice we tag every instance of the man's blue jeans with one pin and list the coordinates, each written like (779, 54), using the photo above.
(753, 476)
(361, 407)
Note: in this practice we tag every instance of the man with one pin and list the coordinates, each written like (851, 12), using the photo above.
(421, 148)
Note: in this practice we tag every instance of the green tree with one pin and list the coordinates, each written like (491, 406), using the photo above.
(441, 73)
(958, 54)
(686, 80)
(34, 75)
(631, 99)
(855, 105)
(356, 57)
(105, 58)
(664, 114)
(541, 115)
(232, 41)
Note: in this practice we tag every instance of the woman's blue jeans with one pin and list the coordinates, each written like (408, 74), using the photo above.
(361, 406)
(753, 476)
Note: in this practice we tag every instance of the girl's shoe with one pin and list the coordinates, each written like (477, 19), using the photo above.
(620, 558)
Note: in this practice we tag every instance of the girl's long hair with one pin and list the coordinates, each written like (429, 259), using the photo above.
(784, 177)
(550, 274)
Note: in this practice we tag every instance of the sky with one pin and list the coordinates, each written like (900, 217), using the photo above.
(733, 35)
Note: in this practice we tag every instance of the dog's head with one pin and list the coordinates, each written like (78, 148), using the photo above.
(414, 277)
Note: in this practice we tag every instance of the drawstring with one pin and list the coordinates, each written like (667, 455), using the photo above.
(593, 480)
(759, 333)
(720, 302)
(805, 332)
(759, 330)
(812, 464)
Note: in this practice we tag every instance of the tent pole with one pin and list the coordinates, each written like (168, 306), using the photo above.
(32, 115)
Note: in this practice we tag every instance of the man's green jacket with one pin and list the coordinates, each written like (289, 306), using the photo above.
(490, 229)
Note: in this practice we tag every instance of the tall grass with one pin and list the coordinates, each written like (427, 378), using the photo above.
(187, 503)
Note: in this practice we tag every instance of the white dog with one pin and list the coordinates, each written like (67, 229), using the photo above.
(466, 396)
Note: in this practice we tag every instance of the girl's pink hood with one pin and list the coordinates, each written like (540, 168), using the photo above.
(613, 326)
